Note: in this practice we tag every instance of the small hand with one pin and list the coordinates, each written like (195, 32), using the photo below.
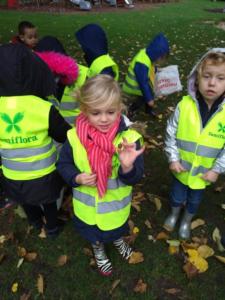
(210, 176)
(128, 154)
(176, 167)
(86, 179)
(151, 103)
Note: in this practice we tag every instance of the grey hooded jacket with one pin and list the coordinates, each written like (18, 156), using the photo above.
(171, 148)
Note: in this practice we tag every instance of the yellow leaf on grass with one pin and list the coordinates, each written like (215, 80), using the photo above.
(30, 256)
(136, 230)
(162, 236)
(42, 235)
(40, 284)
(114, 285)
(196, 223)
(2, 239)
(205, 251)
(216, 235)
(136, 258)
(14, 287)
(199, 262)
(140, 287)
(62, 260)
(173, 250)
(220, 258)
(21, 251)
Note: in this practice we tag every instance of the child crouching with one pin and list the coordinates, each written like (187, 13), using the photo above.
(102, 160)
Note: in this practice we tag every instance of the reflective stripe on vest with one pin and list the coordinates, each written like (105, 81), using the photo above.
(131, 86)
(30, 166)
(24, 152)
(198, 147)
(69, 105)
(102, 62)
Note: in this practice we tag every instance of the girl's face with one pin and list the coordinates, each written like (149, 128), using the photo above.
(103, 118)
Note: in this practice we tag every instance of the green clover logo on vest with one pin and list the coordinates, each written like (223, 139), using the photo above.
(221, 127)
(12, 124)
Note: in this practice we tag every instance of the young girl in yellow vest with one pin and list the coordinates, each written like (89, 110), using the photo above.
(102, 159)
(28, 124)
(195, 139)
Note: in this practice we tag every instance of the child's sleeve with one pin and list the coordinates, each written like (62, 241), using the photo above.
(141, 72)
(65, 165)
(135, 175)
(171, 149)
(219, 165)
(58, 127)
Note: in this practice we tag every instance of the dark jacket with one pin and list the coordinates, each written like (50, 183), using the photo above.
(93, 41)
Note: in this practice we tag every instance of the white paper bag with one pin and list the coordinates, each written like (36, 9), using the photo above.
(167, 81)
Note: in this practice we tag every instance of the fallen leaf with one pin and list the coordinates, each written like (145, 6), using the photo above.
(88, 252)
(2, 256)
(2, 239)
(21, 260)
(25, 296)
(62, 260)
(157, 203)
(30, 256)
(42, 235)
(217, 238)
(173, 250)
(205, 251)
(14, 287)
(190, 270)
(135, 230)
(187, 246)
(200, 241)
(136, 206)
(138, 196)
(140, 287)
(114, 285)
(173, 291)
(196, 223)
(92, 262)
(195, 259)
(20, 212)
(148, 224)
(220, 258)
(162, 236)
(223, 206)
(136, 258)
(131, 225)
(40, 284)
(21, 251)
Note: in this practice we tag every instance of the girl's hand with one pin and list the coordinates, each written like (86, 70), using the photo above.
(176, 167)
(128, 154)
(86, 179)
(210, 176)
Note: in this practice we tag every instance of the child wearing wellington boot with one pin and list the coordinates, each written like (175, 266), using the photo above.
(195, 139)
(102, 159)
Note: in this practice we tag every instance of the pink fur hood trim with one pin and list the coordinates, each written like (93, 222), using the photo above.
(61, 65)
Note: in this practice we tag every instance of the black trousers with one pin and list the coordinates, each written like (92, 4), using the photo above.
(35, 215)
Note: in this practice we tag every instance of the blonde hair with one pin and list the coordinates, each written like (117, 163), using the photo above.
(101, 91)
(213, 58)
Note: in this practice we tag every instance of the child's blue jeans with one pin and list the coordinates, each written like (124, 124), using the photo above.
(181, 194)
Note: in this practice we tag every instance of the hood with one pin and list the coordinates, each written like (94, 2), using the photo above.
(50, 43)
(158, 47)
(24, 73)
(93, 41)
(191, 86)
(52, 52)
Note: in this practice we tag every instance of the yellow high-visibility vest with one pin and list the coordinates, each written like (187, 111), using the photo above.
(26, 150)
(113, 209)
(102, 62)
(198, 147)
(69, 106)
(131, 86)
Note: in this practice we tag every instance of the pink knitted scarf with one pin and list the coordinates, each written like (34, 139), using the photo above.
(100, 149)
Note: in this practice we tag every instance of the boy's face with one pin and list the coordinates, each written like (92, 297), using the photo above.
(102, 118)
(211, 83)
(30, 37)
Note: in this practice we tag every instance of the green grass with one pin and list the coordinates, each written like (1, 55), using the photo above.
(190, 35)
